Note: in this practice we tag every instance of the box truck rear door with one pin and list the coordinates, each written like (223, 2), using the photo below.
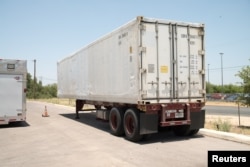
(11, 94)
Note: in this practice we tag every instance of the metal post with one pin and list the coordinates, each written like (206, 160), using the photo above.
(222, 90)
(34, 86)
(208, 73)
(239, 111)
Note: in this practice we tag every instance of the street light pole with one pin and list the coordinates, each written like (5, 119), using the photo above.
(222, 90)
(208, 73)
(34, 87)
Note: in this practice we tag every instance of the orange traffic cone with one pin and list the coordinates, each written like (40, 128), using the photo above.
(45, 114)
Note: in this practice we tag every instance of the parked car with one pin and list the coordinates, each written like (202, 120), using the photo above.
(232, 97)
(217, 96)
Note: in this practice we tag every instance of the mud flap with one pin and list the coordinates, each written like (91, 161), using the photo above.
(197, 119)
(148, 123)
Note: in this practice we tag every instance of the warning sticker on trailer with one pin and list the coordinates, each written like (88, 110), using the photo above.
(151, 68)
(164, 69)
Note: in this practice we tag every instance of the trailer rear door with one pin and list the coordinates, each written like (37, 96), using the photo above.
(172, 62)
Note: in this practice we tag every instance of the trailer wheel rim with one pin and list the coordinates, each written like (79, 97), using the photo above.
(130, 124)
(114, 121)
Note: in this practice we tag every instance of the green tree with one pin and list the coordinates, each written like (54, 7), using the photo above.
(48, 91)
(244, 74)
(30, 85)
(230, 88)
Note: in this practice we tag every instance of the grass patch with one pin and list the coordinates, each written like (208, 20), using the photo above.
(226, 126)
(220, 125)
(66, 102)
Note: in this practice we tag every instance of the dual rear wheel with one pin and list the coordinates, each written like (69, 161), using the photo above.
(127, 123)
(116, 121)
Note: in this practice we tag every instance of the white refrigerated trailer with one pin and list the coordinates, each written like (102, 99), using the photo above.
(147, 74)
(12, 90)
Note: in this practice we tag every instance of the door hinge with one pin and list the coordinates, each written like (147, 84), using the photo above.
(194, 83)
(201, 33)
(142, 49)
(152, 82)
(166, 83)
(143, 92)
(202, 72)
(142, 27)
(143, 70)
(202, 91)
(201, 52)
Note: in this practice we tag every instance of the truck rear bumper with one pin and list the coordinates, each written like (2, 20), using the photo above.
(8, 119)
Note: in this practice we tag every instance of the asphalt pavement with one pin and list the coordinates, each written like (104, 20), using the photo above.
(61, 140)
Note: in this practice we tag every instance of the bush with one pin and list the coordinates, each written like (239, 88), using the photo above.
(224, 126)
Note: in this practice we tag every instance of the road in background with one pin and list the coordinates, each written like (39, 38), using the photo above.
(60, 140)
(227, 110)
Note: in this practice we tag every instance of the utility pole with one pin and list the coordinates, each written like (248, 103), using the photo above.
(34, 86)
(208, 73)
(222, 89)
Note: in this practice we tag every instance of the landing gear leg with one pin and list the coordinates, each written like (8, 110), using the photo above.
(79, 106)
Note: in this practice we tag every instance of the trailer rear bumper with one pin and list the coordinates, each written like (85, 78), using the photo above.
(169, 115)
(196, 121)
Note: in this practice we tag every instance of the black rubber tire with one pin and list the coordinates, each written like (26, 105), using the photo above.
(115, 121)
(181, 130)
(131, 125)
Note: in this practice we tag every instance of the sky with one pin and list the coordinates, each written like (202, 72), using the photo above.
(50, 30)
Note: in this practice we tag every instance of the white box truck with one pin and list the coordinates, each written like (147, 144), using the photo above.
(147, 74)
(12, 90)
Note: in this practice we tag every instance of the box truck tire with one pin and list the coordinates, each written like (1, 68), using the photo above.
(131, 125)
(116, 121)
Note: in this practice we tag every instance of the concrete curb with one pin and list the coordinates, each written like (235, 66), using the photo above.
(226, 136)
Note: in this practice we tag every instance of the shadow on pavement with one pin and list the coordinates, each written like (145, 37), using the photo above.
(89, 118)
(164, 135)
(15, 125)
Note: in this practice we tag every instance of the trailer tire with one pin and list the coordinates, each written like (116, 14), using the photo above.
(131, 125)
(181, 130)
(115, 121)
